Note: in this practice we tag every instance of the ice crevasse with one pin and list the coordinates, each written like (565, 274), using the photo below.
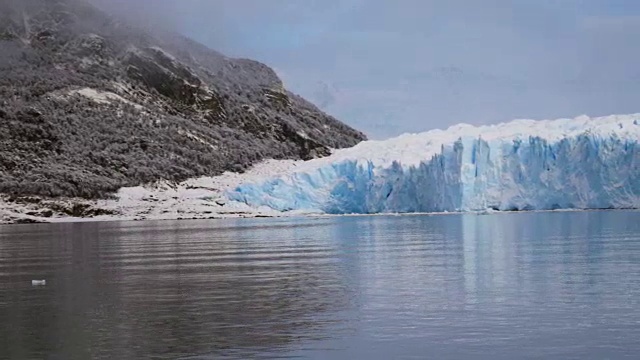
(581, 163)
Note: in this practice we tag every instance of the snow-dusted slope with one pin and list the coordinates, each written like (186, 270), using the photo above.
(199, 198)
(524, 164)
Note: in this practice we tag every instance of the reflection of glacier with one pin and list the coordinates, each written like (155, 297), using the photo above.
(520, 165)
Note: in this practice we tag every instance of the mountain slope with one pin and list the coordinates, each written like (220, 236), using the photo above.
(89, 104)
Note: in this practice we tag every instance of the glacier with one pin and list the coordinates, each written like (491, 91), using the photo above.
(580, 163)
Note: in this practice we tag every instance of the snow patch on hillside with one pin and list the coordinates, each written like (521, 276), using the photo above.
(200, 198)
(102, 97)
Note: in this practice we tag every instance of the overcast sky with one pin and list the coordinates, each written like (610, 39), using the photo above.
(393, 66)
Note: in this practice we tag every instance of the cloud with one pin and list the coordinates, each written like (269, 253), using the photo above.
(411, 65)
(157, 13)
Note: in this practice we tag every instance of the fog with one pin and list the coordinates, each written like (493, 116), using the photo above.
(410, 65)
(163, 14)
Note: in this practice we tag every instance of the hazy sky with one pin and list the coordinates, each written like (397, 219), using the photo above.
(392, 66)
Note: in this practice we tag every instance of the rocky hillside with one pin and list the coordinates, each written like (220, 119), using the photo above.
(89, 104)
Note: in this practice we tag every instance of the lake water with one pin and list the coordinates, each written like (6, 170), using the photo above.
(556, 285)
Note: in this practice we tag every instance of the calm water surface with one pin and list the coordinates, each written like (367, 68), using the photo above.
(508, 286)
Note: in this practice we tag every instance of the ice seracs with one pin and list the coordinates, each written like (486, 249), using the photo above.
(580, 163)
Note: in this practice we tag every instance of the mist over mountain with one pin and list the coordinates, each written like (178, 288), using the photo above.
(90, 103)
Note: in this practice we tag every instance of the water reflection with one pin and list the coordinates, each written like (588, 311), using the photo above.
(534, 285)
(553, 284)
(133, 291)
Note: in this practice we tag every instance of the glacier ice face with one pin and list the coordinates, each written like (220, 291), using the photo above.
(581, 163)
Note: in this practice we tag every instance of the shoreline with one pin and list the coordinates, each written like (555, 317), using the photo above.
(32, 220)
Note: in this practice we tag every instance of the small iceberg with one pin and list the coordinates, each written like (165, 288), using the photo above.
(38, 282)
(487, 211)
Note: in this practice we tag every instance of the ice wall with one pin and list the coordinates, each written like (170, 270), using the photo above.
(578, 163)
